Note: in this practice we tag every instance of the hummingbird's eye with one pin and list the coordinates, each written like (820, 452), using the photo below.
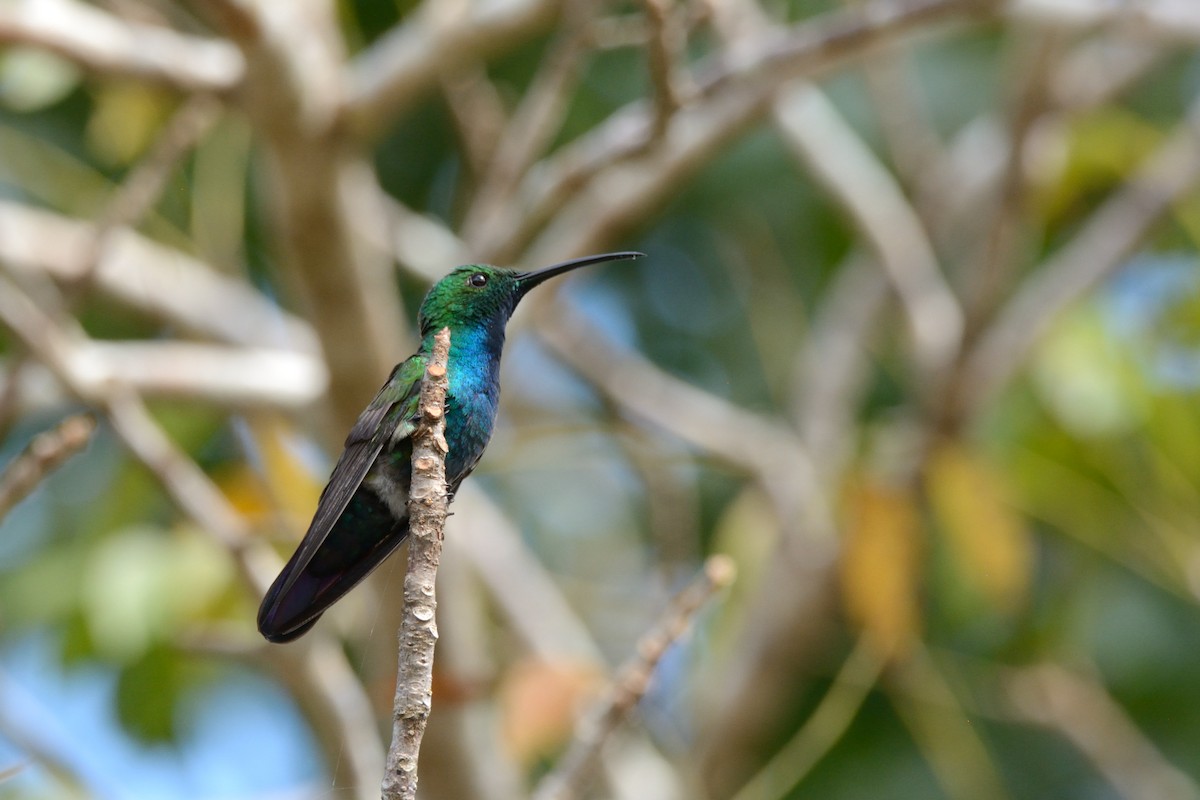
(478, 279)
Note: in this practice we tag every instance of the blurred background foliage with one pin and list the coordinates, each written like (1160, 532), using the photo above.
(955, 579)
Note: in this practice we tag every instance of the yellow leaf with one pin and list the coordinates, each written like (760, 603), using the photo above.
(881, 564)
(1099, 150)
(126, 119)
(279, 482)
(244, 489)
(985, 536)
(290, 480)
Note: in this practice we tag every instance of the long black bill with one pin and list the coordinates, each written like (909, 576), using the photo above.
(528, 280)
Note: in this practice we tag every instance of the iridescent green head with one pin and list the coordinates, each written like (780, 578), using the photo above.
(480, 294)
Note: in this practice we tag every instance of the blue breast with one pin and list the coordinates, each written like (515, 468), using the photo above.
(472, 397)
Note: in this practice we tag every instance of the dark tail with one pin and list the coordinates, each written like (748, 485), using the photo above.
(313, 580)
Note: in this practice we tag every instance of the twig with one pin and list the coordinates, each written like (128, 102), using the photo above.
(236, 376)
(942, 729)
(44, 454)
(1083, 711)
(428, 500)
(987, 282)
(146, 181)
(421, 244)
(478, 113)
(49, 340)
(534, 123)
(1162, 21)
(830, 38)
(595, 188)
(570, 777)
(665, 42)
(905, 124)
(8, 773)
(522, 590)
(229, 376)
(23, 724)
(1102, 245)
(394, 71)
(821, 731)
(833, 367)
(759, 446)
(848, 170)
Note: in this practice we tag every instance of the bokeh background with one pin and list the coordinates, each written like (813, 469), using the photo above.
(916, 344)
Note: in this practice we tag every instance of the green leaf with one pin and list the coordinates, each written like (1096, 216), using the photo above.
(148, 691)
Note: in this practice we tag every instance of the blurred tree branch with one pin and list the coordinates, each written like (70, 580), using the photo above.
(1087, 715)
(157, 280)
(108, 45)
(392, 73)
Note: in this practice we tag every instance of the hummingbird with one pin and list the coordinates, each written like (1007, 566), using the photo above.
(362, 515)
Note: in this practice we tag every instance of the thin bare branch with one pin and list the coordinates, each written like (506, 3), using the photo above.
(397, 69)
(17, 726)
(665, 43)
(534, 123)
(829, 39)
(477, 111)
(238, 377)
(1104, 242)
(821, 731)
(106, 44)
(427, 504)
(1100, 68)
(761, 447)
(45, 453)
(1037, 55)
(524, 593)
(847, 168)
(908, 132)
(1164, 20)
(1083, 711)
(941, 728)
(833, 368)
(574, 770)
(146, 181)
(606, 182)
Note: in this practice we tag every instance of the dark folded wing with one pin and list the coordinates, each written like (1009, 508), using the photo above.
(390, 418)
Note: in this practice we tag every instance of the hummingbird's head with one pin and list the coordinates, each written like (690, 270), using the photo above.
(480, 294)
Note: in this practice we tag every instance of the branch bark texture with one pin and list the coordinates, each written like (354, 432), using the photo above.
(428, 500)
(46, 453)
